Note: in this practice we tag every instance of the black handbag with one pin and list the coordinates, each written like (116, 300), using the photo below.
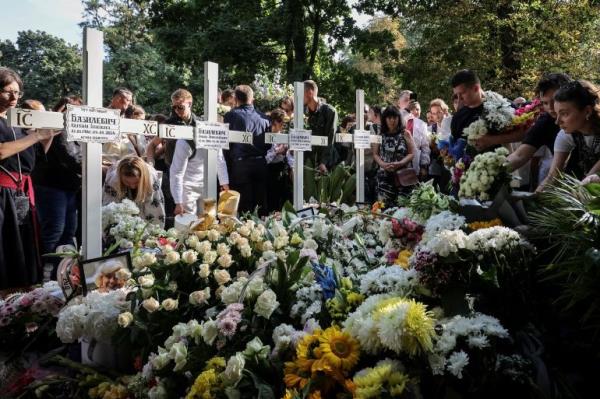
(21, 199)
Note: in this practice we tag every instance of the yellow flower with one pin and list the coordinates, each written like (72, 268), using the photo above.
(203, 385)
(338, 348)
(402, 259)
(484, 224)
(419, 328)
(295, 376)
(306, 346)
(354, 299)
(290, 394)
(371, 382)
(296, 239)
(216, 363)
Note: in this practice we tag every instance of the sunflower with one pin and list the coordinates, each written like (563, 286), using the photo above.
(307, 345)
(338, 348)
(295, 376)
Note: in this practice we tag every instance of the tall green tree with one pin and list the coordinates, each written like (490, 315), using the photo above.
(510, 43)
(133, 58)
(49, 66)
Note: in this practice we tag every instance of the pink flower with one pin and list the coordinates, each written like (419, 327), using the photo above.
(227, 326)
(31, 327)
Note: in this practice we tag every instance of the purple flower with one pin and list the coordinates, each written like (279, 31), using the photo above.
(227, 326)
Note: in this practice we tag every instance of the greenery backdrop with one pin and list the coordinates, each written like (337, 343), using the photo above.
(155, 46)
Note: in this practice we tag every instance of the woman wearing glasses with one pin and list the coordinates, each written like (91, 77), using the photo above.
(19, 252)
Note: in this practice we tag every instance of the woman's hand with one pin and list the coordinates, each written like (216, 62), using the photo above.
(46, 134)
(591, 179)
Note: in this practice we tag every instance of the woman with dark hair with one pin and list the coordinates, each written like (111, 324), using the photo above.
(19, 252)
(57, 181)
(396, 152)
(577, 106)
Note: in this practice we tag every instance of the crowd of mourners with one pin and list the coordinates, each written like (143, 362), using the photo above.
(40, 170)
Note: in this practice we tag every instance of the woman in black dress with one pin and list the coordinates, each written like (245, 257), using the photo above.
(395, 152)
(19, 251)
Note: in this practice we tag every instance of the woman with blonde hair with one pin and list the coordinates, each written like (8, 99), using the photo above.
(139, 182)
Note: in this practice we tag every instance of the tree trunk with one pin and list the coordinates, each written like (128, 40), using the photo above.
(510, 48)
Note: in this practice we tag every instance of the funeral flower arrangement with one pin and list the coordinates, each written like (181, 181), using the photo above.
(23, 314)
(348, 303)
(485, 176)
(268, 92)
(497, 115)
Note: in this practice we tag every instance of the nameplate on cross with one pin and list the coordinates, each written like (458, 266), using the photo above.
(92, 124)
(300, 140)
(212, 135)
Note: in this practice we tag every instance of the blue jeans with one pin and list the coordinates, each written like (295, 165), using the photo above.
(57, 212)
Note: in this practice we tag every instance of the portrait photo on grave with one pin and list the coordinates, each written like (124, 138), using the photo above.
(107, 273)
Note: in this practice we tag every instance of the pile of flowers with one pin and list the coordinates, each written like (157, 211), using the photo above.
(22, 314)
(485, 176)
(497, 115)
(424, 201)
(347, 304)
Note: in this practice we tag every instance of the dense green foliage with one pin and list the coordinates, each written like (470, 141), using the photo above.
(155, 46)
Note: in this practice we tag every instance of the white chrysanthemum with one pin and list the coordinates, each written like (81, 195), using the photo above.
(446, 242)
(389, 279)
(457, 362)
(444, 220)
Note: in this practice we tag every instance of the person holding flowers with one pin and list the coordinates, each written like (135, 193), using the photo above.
(396, 152)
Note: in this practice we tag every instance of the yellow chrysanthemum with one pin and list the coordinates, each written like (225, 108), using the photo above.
(290, 394)
(203, 385)
(372, 381)
(402, 259)
(315, 395)
(419, 328)
(338, 348)
(354, 299)
(216, 363)
(386, 306)
(484, 224)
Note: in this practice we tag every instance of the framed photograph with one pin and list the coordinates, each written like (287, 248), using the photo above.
(310, 211)
(106, 273)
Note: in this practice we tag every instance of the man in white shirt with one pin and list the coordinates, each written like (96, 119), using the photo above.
(421, 137)
(187, 165)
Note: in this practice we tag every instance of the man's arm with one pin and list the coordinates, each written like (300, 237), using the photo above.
(520, 157)
(558, 165)
(490, 140)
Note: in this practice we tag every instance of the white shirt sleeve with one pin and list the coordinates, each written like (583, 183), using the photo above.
(424, 158)
(444, 130)
(564, 142)
(178, 166)
(222, 173)
(290, 158)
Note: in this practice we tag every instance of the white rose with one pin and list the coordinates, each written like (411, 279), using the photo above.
(192, 241)
(189, 256)
(222, 249)
(213, 235)
(209, 331)
(170, 304)
(200, 297)
(221, 276)
(125, 319)
(147, 292)
(167, 248)
(281, 242)
(160, 361)
(150, 305)
(244, 231)
(204, 271)
(146, 281)
(233, 237)
(179, 354)
(123, 274)
(225, 261)
(151, 243)
(246, 251)
(267, 246)
(266, 304)
(256, 235)
(210, 257)
(172, 257)
(310, 244)
(241, 242)
(203, 247)
(138, 263)
(233, 372)
(149, 258)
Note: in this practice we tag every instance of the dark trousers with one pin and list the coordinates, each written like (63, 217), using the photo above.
(249, 178)
(279, 186)
(57, 212)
